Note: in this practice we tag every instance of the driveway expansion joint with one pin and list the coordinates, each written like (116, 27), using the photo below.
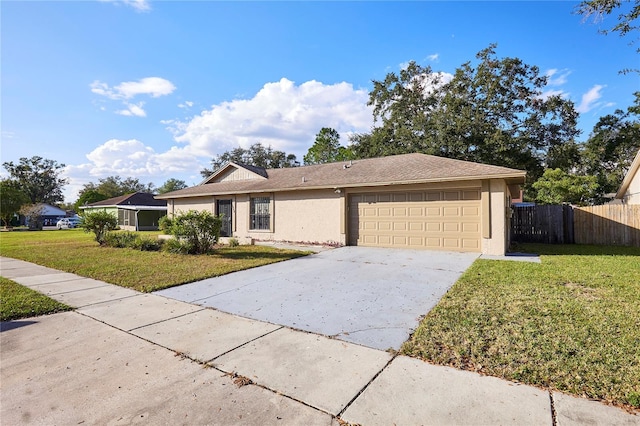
(244, 344)
(164, 320)
(394, 356)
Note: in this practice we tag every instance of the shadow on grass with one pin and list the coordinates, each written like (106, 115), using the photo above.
(258, 254)
(576, 250)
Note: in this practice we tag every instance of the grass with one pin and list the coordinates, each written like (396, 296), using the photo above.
(75, 251)
(17, 302)
(571, 323)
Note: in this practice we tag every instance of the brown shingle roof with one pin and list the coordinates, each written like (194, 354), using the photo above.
(136, 199)
(398, 169)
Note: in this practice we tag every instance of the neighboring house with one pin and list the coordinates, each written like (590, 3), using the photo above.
(629, 192)
(135, 212)
(403, 201)
(49, 214)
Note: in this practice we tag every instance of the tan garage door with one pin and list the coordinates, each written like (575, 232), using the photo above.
(443, 219)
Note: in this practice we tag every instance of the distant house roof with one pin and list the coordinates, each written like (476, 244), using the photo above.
(49, 210)
(633, 169)
(392, 170)
(137, 201)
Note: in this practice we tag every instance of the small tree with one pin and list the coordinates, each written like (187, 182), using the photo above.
(99, 223)
(198, 230)
(33, 213)
(11, 200)
(557, 187)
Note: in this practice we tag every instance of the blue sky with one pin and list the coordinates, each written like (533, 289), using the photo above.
(154, 90)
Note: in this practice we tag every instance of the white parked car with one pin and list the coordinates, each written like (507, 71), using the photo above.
(68, 223)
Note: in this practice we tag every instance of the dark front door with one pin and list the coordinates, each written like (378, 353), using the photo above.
(224, 209)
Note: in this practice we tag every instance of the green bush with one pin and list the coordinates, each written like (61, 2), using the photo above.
(233, 242)
(165, 223)
(146, 243)
(120, 239)
(199, 230)
(176, 246)
(99, 223)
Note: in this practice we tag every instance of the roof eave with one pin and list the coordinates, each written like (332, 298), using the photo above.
(511, 178)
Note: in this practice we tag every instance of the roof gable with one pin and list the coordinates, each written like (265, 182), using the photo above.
(382, 171)
(234, 172)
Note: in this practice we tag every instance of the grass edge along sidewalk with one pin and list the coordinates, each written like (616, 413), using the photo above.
(571, 323)
(76, 252)
(18, 301)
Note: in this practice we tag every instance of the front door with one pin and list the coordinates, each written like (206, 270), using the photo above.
(224, 209)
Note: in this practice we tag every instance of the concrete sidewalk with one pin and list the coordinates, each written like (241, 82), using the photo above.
(125, 357)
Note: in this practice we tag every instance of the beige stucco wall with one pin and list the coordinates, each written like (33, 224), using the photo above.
(301, 216)
(320, 216)
(185, 204)
(496, 243)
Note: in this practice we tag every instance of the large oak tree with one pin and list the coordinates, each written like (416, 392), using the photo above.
(38, 178)
(492, 111)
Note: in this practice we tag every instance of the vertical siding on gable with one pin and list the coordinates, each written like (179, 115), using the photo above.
(236, 174)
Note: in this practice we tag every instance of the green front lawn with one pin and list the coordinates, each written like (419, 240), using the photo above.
(17, 302)
(75, 251)
(571, 323)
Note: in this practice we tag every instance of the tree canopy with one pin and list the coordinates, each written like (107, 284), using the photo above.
(171, 185)
(256, 155)
(115, 186)
(493, 112)
(611, 147)
(38, 178)
(557, 186)
(327, 148)
(11, 200)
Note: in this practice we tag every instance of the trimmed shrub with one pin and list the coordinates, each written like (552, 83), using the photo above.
(233, 242)
(200, 230)
(99, 223)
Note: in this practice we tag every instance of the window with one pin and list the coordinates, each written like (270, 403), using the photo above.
(259, 216)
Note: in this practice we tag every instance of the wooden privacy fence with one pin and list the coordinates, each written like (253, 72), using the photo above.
(542, 224)
(611, 224)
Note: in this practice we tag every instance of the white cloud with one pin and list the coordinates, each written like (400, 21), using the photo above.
(282, 114)
(133, 110)
(434, 57)
(404, 65)
(590, 99)
(557, 77)
(138, 5)
(185, 104)
(152, 86)
(132, 158)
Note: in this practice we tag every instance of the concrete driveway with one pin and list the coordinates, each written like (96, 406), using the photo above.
(370, 296)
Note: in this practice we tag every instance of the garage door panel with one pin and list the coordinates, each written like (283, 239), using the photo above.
(470, 211)
(446, 219)
(452, 211)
